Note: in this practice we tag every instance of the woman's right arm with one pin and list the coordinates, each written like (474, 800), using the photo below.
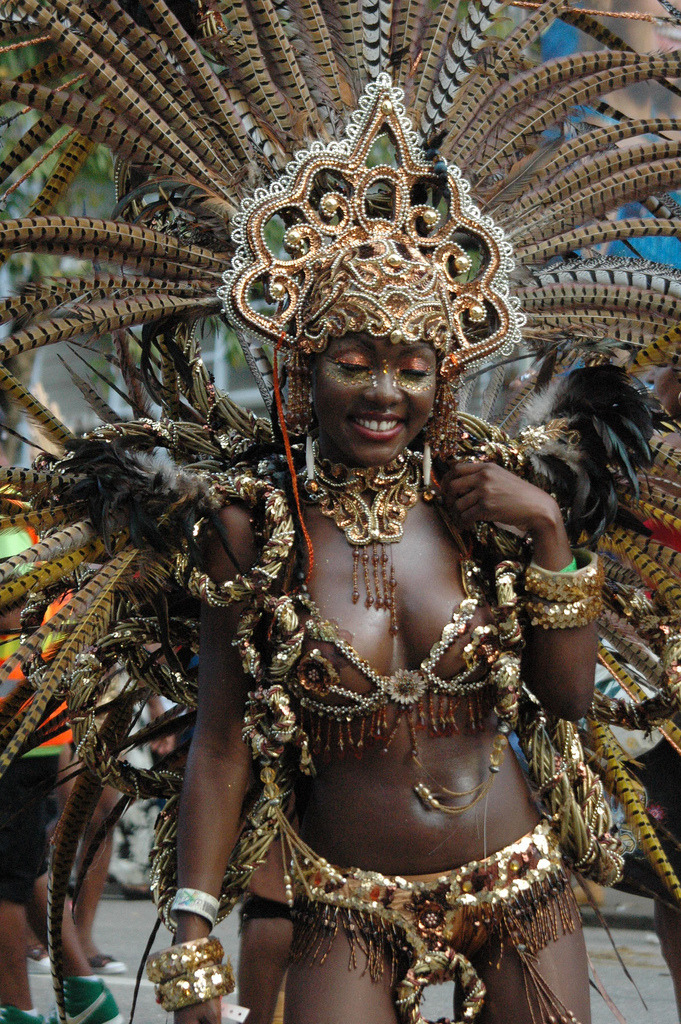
(218, 769)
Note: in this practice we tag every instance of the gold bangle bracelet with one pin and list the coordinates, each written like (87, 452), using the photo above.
(564, 614)
(202, 985)
(185, 956)
(585, 581)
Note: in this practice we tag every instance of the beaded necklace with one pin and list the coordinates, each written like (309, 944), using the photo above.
(370, 506)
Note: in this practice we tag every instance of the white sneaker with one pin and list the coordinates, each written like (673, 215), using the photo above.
(38, 961)
(103, 963)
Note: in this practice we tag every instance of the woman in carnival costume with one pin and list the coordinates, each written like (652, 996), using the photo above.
(389, 585)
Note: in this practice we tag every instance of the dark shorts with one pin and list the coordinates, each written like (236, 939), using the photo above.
(659, 773)
(24, 817)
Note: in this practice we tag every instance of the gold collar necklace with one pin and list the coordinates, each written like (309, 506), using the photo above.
(370, 505)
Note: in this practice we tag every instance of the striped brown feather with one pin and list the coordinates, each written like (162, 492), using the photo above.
(14, 479)
(19, 394)
(224, 106)
(119, 74)
(53, 293)
(376, 19)
(599, 139)
(347, 32)
(459, 59)
(145, 47)
(73, 821)
(284, 63)
(91, 609)
(636, 551)
(659, 351)
(90, 394)
(634, 653)
(15, 27)
(584, 329)
(593, 234)
(410, 21)
(605, 36)
(439, 27)
(35, 137)
(14, 591)
(537, 88)
(41, 520)
(71, 161)
(576, 179)
(56, 545)
(571, 294)
(667, 458)
(604, 196)
(81, 802)
(240, 47)
(321, 57)
(68, 234)
(502, 133)
(503, 60)
(102, 317)
(99, 124)
(117, 92)
(53, 67)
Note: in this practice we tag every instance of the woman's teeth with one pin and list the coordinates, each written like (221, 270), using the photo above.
(379, 425)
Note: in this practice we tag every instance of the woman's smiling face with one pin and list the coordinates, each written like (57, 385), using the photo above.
(371, 397)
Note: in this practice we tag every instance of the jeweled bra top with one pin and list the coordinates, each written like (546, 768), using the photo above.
(336, 716)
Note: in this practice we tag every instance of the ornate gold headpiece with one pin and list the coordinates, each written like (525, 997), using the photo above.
(366, 233)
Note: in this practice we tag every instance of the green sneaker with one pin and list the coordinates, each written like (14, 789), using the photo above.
(10, 1015)
(88, 1001)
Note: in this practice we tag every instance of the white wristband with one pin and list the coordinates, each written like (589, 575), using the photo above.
(194, 901)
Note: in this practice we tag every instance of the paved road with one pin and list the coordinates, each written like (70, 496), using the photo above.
(123, 927)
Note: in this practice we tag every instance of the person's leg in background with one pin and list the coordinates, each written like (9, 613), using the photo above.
(266, 933)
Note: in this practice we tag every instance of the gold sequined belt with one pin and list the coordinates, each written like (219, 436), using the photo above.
(442, 919)
(504, 876)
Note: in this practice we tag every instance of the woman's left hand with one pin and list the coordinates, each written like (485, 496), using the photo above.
(474, 492)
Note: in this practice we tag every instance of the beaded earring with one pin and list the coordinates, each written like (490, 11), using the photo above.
(442, 432)
(299, 395)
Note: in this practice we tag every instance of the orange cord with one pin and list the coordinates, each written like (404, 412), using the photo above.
(289, 459)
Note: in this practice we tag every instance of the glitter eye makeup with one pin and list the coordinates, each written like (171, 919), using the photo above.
(408, 380)
(351, 370)
(414, 375)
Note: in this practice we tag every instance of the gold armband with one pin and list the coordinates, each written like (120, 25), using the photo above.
(564, 614)
(584, 582)
(185, 957)
(202, 985)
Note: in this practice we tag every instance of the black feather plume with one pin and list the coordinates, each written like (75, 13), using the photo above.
(611, 420)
